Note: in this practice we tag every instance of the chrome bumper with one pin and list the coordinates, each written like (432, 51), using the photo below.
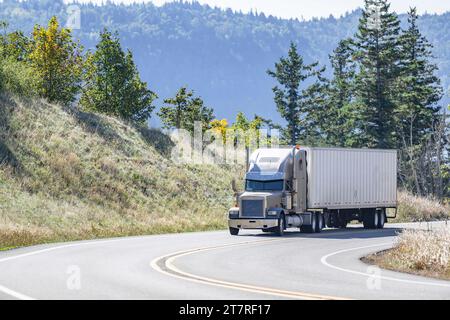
(252, 223)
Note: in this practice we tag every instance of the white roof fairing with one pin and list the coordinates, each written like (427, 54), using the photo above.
(269, 164)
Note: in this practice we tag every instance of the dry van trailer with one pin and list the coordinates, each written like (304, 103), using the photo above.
(351, 184)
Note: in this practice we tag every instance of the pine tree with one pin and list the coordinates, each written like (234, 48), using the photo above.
(330, 117)
(113, 85)
(418, 87)
(291, 73)
(418, 94)
(338, 118)
(315, 103)
(183, 110)
(376, 48)
(57, 62)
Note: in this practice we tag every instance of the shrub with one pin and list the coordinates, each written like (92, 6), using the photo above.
(423, 250)
(17, 78)
(413, 208)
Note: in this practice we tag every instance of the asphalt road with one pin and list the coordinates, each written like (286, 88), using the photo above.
(214, 265)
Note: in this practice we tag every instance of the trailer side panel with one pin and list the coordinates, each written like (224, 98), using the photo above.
(351, 178)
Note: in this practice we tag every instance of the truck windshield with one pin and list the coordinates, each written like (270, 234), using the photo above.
(252, 185)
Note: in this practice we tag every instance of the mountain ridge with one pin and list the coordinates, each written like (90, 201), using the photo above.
(221, 54)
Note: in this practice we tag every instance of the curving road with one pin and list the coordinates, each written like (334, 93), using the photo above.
(214, 265)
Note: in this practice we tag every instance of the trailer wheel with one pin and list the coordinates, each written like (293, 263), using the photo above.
(280, 228)
(370, 219)
(381, 219)
(342, 221)
(234, 231)
(310, 228)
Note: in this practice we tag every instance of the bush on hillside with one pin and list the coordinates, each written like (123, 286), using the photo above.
(415, 209)
(17, 78)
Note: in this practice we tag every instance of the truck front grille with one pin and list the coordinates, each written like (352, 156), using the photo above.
(253, 208)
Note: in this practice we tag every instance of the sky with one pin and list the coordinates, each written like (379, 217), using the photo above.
(306, 9)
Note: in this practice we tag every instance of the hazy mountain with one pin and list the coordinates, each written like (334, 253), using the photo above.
(221, 54)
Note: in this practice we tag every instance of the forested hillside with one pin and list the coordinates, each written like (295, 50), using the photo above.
(222, 55)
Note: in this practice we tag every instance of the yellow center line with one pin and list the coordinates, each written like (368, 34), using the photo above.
(165, 265)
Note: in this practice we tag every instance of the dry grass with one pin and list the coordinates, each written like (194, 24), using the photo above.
(415, 209)
(418, 251)
(68, 175)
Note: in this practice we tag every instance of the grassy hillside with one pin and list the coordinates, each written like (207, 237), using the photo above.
(68, 175)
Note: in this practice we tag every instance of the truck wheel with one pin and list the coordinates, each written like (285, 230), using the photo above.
(234, 231)
(280, 228)
(342, 222)
(370, 219)
(381, 219)
(319, 222)
(310, 228)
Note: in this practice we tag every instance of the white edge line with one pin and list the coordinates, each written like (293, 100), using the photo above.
(15, 294)
(324, 261)
(22, 296)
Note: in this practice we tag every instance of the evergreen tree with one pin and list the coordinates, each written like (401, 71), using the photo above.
(338, 118)
(183, 110)
(315, 103)
(417, 113)
(418, 88)
(376, 48)
(291, 73)
(56, 60)
(113, 85)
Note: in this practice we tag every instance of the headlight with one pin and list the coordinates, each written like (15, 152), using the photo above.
(272, 213)
(233, 213)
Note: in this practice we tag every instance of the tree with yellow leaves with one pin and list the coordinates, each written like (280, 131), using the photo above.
(57, 61)
(220, 127)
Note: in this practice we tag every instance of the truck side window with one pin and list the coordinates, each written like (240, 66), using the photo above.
(288, 185)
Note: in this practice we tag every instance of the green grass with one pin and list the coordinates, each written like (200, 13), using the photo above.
(7, 248)
(68, 175)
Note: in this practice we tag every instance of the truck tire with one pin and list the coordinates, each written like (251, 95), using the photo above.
(381, 219)
(342, 221)
(334, 220)
(234, 231)
(343, 224)
(370, 219)
(319, 222)
(279, 230)
(310, 228)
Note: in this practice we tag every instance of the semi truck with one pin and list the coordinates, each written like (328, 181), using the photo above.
(313, 188)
